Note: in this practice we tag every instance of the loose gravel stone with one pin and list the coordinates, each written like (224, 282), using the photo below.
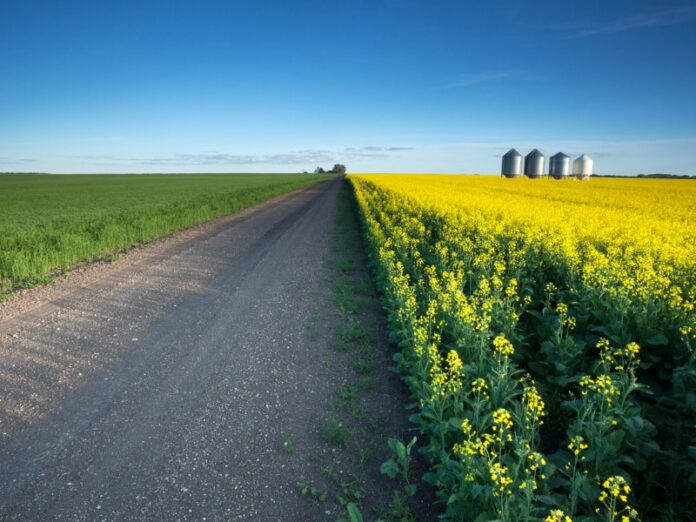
(160, 386)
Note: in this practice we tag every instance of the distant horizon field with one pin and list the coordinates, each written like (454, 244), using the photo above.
(156, 173)
(364, 173)
(49, 223)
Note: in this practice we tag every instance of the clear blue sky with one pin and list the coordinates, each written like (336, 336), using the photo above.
(381, 85)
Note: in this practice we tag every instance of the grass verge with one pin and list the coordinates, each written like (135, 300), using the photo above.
(367, 407)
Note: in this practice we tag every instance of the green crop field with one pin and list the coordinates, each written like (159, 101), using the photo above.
(51, 222)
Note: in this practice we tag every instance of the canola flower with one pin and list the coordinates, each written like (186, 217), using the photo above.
(502, 419)
(479, 387)
(615, 499)
(502, 346)
(620, 359)
(577, 445)
(501, 478)
(602, 385)
(535, 408)
(557, 515)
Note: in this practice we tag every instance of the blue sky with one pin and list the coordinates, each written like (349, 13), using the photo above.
(381, 85)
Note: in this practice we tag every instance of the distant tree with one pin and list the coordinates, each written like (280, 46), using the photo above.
(319, 170)
(338, 169)
(666, 176)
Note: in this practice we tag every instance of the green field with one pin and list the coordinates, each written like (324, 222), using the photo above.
(52, 222)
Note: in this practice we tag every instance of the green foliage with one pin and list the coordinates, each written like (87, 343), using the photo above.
(335, 432)
(307, 489)
(398, 510)
(364, 366)
(354, 513)
(288, 445)
(399, 467)
(353, 331)
(400, 463)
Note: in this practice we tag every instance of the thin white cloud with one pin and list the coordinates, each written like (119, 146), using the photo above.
(469, 79)
(296, 157)
(7, 161)
(639, 21)
(382, 149)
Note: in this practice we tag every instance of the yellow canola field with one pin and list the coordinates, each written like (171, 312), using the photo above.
(547, 331)
(631, 235)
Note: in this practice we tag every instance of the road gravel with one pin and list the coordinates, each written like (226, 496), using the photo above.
(161, 386)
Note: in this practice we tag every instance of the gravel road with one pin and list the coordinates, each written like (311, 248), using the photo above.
(160, 386)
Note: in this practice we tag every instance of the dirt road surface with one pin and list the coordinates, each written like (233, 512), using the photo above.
(160, 386)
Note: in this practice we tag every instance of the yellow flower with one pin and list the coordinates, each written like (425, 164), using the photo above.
(602, 385)
(454, 363)
(480, 387)
(502, 346)
(577, 445)
(502, 418)
(500, 477)
(534, 404)
(614, 496)
(556, 515)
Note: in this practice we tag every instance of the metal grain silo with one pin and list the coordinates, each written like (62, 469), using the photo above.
(559, 165)
(512, 164)
(534, 164)
(582, 167)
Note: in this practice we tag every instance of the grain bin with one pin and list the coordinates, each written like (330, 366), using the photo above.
(512, 164)
(559, 166)
(534, 164)
(582, 167)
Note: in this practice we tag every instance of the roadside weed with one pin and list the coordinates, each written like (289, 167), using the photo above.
(335, 432)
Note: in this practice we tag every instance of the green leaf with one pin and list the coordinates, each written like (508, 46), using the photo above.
(476, 490)
(658, 340)
(564, 380)
(354, 513)
(430, 478)
(401, 452)
(455, 423)
(389, 468)
(539, 367)
(415, 418)
(535, 313)
(557, 481)
(603, 330)
(545, 499)
(589, 491)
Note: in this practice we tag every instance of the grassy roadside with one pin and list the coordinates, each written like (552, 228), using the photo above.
(49, 224)
(359, 469)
